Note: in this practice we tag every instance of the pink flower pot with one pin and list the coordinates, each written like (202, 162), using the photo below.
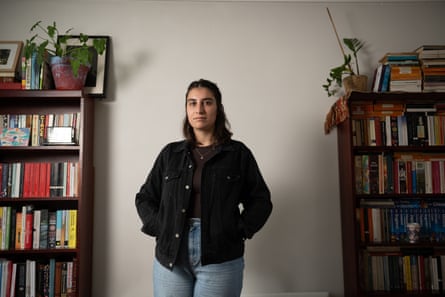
(63, 75)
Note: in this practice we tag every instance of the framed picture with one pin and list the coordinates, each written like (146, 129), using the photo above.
(96, 82)
(9, 57)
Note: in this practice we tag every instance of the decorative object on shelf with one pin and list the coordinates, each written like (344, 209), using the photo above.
(345, 75)
(338, 113)
(55, 44)
(96, 80)
(60, 136)
(9, 57)
(413, 231)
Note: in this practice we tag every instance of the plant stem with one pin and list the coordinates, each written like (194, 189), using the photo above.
(336, 34)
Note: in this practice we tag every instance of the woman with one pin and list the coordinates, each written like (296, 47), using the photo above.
(203, 197)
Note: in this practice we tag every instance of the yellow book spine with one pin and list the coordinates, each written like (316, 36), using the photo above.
(72, 241)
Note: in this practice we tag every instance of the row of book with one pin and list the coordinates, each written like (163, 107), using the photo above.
(38, 125)
(414, 173)
(35, 76)
(399, 126)
(39, 179)
(390, 223)
(421, 69)
(400, 273)
(27, 228)
(49, 278)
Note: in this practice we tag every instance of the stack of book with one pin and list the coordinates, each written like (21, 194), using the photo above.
(398, 72)
(432, 58)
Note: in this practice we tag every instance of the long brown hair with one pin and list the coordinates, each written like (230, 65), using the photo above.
(222, 131)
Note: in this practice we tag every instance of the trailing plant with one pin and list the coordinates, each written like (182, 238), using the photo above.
(52, 43)
(336, 74)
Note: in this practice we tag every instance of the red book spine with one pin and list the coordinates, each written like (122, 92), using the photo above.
(26, 180)
(42, 180)
(35, 179)
(29, 222)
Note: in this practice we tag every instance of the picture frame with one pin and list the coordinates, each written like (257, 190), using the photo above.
(96, 82)
(10, 52)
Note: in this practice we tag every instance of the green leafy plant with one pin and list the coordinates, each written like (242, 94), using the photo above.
(52, 43)
(336, 74)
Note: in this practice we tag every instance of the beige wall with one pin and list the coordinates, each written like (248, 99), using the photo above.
(270, 60)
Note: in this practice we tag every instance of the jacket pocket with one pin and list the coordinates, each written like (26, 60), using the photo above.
(226, 195)
(166, 212)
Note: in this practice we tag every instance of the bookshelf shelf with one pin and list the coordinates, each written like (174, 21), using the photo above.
(33, 253)
(379, 197)
(72, 198)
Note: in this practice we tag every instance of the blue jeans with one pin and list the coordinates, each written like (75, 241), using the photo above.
(195, 280)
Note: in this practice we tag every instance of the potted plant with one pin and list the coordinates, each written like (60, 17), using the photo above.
(346, 74)
(73, 61)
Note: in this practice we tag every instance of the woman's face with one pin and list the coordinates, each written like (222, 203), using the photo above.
(201, 109)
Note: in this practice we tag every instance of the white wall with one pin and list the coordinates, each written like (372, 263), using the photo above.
(270, 60)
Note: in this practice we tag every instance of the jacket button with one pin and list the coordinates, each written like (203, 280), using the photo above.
(177, 235)
(166, 177)
(187, 187)
(183, 210)
(170, 264)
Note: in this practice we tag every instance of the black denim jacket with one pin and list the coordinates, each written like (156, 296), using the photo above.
(235, 201)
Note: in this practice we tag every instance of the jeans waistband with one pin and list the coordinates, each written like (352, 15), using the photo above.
(194, 221)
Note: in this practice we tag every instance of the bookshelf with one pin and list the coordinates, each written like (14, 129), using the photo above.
(64, 265)
(386, 182)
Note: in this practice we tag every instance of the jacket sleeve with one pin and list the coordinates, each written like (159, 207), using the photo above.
(148, 199)
(256, 202)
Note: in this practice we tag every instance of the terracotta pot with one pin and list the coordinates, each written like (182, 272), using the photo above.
(63, 75)
(356, 83)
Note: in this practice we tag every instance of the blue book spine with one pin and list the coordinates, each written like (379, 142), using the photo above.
(52, 276)
(385, 78)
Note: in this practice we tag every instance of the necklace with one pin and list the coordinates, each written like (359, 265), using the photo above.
(208, 151)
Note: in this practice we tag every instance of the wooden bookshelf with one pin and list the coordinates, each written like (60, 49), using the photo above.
(369, 264)
(81, 154)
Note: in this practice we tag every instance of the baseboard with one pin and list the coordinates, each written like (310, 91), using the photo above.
(290, 294)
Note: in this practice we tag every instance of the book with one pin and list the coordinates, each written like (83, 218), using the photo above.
(72, 241)
(406, 72)
(52, 221)
(373, 174)
(36, 229)
(12, 85)
(18, 232)
(58, 279)
(386, 73)
(44, 224)
(52, 277)
(13, 280)
(20, 285)
(60, 230)
(406, 58)
(28, 213)
(6, 226)
(430, 51)
(377, 82)
(14, 137)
